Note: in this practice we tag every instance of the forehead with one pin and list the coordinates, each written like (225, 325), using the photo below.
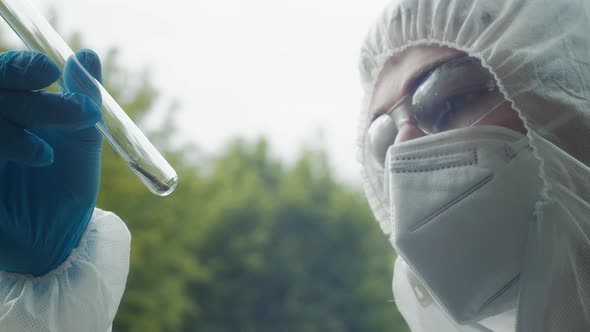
(395, 80)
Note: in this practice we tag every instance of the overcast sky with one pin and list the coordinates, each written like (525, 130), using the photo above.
(283, 69)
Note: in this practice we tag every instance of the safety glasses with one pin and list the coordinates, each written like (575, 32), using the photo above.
(457, 94)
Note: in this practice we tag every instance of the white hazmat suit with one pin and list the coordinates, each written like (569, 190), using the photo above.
(87, 286)
(539, 53)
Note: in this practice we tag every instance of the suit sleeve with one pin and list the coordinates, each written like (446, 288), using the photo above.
(82, 294)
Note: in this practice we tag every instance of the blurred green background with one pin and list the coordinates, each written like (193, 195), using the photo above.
(247, 242)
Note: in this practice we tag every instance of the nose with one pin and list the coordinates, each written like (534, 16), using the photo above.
(406, 132)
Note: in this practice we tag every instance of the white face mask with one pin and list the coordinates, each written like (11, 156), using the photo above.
(461, 202)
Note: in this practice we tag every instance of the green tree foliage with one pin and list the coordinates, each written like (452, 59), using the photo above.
(246, 243)
(289, 249)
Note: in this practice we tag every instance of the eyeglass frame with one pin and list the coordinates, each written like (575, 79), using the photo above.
(407, 116)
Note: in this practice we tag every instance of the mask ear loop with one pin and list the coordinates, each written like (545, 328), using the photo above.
(513, 148)
(488, 113)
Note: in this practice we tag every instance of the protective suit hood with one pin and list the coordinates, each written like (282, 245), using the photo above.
(539, 53)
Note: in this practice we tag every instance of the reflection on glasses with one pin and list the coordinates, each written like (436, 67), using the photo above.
(457, 94)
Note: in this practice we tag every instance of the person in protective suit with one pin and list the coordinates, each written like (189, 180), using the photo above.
(473, 148)
(475, 163)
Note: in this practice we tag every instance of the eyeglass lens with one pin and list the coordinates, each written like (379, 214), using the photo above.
(457, 94)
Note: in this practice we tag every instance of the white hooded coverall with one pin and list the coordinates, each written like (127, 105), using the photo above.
(539, 53)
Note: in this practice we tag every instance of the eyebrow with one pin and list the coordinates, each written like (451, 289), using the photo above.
(418, 78)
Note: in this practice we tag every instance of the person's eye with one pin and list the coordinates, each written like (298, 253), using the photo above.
(445, 98)
(458, 111)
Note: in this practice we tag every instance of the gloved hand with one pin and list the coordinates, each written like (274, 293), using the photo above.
(49, 160)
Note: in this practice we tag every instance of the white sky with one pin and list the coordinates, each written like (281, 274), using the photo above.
(283, 69)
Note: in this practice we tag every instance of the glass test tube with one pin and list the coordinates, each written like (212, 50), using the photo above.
(129, 142)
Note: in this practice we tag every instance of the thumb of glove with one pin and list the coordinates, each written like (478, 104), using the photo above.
(76, 78)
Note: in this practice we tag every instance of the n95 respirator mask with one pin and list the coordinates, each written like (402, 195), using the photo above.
(461, 202)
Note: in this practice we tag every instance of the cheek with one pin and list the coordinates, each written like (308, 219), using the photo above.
(505, 117)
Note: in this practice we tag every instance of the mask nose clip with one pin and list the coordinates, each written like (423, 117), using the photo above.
(510, 151)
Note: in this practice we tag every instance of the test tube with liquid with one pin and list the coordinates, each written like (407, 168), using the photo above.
(118, 129)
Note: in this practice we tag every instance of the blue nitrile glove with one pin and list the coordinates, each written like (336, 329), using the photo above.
(49, 161)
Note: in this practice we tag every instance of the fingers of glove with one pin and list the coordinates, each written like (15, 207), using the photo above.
(75, 76)
(27, 70)
(19, 145)
(41, 109)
